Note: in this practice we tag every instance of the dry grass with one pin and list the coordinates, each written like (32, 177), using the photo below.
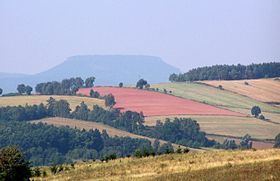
(212, 165)
(265, 90)
(229, 125)
(37, 99)
(87, 125)
(271, 116)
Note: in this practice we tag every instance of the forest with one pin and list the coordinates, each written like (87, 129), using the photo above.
(229, 72)
(65, 87)
(46, 145)
(49, 145)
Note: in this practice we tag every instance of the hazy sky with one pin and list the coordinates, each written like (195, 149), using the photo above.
(38, 34)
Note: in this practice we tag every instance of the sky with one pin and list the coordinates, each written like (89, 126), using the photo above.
(36, 35)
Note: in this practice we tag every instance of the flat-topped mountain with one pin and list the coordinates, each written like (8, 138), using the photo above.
(108, 70)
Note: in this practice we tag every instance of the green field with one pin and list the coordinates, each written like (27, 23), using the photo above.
(211, 165)
(214, 96)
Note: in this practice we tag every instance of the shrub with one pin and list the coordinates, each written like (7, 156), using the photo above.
(220, 87)
(110, 157)
(229, 144)
(245, 142)
(138, 153)
(94, 94)
(54, 169)
(246, 83)
(262, 117)
(120, 84)
(13, 166)
(36, 172)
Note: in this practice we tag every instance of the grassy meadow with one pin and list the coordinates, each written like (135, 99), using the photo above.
(211, 165)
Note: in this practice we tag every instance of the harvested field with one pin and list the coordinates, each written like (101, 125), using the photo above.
(214, 96)
(37, 99)
(87, 125)
(157, 104)
(265, 90)
(272, 117)
(229, 125)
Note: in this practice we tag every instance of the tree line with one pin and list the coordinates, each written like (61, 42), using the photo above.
(229, 72)
(183, 131)
(48, 145)
(65, 87)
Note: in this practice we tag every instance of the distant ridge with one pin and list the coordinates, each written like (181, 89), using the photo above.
(108, 70)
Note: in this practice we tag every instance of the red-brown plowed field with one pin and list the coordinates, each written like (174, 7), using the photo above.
(155, 103)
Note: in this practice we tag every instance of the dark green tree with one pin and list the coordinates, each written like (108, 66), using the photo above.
(120, 84)
(1, 91)
(255, 111)
(245, 142)
(89, 82)
(141, 83)
(166, 148)
(156, 146)
(21, 88)
(81, 112)
(79, 82)
(277, 141)
(109, 100)
(28, 90)
(13, 166)
(229, 72)
(229, 144)
(59, 108)
(94, 94)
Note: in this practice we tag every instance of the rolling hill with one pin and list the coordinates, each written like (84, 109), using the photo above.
(212, 165)
(214, 96)
(230, 126)
(37, 99)
(87, 125)
(153, 103)
(108, 70)
(264, 90)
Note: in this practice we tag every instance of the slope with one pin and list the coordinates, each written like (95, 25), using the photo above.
(264, 90)
(37, 99)
(213, 165)
(87, 125)
(153, 103)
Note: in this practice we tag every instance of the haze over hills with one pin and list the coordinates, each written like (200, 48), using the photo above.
(108, 70)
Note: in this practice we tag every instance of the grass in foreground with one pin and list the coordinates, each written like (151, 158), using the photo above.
(212, 165)
(37, 99)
